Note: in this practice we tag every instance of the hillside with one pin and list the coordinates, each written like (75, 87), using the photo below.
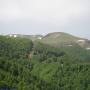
(27, 65)
(60, 39)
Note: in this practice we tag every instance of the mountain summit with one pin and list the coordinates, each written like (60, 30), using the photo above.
(59, 39)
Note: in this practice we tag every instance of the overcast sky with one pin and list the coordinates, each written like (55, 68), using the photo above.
(43, 16)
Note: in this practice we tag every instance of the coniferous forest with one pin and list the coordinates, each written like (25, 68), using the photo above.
(32, 65)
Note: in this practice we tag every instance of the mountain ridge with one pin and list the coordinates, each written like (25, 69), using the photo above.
(57, 39)
(64, 39)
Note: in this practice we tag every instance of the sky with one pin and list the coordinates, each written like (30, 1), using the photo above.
(45, 16)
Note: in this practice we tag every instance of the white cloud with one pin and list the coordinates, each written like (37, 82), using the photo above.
(53, 11)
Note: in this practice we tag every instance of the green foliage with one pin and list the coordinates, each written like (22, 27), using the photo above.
(27, 65)
(15, 47)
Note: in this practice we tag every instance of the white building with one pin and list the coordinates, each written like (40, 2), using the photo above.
(39, 37)
(14, 36)
(87, 48)
(81, 40)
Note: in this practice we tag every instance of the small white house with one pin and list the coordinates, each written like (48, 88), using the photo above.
(81, 40)
(10, 35)
(70, 45)
(39, 37)
(14, 36)
(87, 48)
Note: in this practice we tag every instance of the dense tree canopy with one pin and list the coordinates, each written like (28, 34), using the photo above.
(27, 65)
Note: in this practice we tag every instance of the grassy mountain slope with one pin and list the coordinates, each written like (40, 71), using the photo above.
(63, 39)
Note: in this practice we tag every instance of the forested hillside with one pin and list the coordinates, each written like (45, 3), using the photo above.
(27, 65)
